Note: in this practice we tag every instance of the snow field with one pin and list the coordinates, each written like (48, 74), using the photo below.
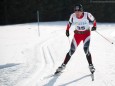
(102, 52)
(27, 59)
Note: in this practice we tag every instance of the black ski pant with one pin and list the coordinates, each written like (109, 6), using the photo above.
(73, 48)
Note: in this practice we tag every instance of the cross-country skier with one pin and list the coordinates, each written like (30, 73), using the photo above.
(82, 33)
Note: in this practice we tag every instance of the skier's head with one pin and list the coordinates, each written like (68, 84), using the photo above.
(78, 7)
(78, 10)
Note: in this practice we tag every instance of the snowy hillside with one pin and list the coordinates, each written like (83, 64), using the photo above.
(27, 59)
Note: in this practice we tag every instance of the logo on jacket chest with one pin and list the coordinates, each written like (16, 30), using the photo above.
(82, 23)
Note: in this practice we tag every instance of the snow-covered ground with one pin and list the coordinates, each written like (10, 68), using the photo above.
(27, 59)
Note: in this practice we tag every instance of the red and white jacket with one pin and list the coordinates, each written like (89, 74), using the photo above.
(82, 23)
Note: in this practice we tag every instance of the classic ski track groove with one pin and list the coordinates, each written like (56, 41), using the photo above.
(44, 47)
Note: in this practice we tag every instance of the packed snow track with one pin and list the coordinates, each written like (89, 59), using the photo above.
(28, 59)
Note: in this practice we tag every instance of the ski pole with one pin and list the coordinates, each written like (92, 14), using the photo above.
(104, 37)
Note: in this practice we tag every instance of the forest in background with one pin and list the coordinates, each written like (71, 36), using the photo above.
(25, 11)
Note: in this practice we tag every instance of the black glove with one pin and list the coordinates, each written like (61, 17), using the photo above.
(93, 28)
(67, 33)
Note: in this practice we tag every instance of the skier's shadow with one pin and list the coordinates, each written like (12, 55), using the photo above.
(76, 80)
(52, 81)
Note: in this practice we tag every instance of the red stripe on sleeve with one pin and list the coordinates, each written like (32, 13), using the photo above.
(94, 23)
(68, 26)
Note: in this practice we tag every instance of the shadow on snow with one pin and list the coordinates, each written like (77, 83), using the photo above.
(53, 80)
(7, 65)
(76, 80)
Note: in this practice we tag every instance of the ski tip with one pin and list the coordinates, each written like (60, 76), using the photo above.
(92, 79)
(92, 76)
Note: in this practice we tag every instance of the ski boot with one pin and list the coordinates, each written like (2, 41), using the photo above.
(60, 69)
(91, 68)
